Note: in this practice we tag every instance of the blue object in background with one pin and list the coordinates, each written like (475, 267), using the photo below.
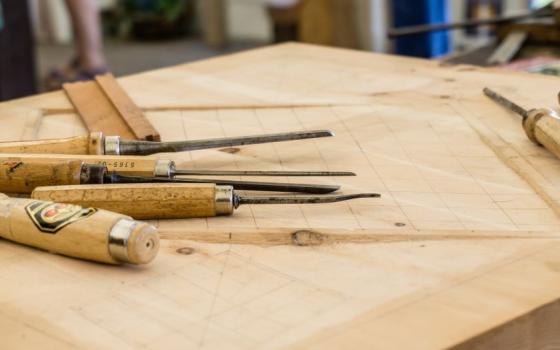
(414, 12)
(1, 17)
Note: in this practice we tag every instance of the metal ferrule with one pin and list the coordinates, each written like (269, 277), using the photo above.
(224, 200)
(112, 145)
(164, 168)
(118, 239)
(92, 173)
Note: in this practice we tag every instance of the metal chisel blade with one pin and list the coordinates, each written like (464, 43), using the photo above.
(302, 199)
(147, 147)
(238, 185)
(261, 173)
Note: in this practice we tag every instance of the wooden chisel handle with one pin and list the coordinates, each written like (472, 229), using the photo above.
(147, 201)
(19, 176)
(542, 126)
(92, 144)
(76, 231)
(124, 165)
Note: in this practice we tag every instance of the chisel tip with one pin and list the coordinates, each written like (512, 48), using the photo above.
(302, 199)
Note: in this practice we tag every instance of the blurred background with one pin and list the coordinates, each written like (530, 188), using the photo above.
(44, 43)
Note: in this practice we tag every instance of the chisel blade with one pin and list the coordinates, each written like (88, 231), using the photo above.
(238, 185)
(184, 172)
(501, 100)
(147, 147)
(301, 199)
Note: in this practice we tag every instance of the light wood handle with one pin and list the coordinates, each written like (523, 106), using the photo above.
(147, 201)
(20, 176)
(92, 144)
(72, 230)
(543, 127)
(125, 165)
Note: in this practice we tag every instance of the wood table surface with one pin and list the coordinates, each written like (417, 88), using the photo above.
(462, 250)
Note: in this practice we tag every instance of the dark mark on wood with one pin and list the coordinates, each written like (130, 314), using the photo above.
(13, 166)
(185, 250)
(306, 238)
(230, 150)
(400, 224)
(380, 93)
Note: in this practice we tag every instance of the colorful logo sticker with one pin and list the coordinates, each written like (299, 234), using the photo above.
(51, 217)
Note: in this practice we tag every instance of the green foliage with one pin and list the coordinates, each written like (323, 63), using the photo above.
(151, 19)
(169, 10)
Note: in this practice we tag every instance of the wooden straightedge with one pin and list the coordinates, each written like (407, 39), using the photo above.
(104, 106)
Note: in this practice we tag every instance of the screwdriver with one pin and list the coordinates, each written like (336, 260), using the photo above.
(542, 125)
(171, 200)
(76, 231)
(17, 175)
(97, 144)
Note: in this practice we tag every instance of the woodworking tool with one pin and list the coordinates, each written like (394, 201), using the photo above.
(542, 125)
(98, 144)
(19, 175)
(80, 232)
(171, 200)
(145, 166)
(98, 174)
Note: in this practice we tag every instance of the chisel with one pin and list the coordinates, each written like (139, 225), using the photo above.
(21, 176)
(76, 231)
(171, 201)
(541, 125)
(97, 144)
(145, 166)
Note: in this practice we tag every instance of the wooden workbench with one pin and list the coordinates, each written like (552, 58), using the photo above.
(462, 249)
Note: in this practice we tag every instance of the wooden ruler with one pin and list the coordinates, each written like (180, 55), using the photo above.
(104, 106)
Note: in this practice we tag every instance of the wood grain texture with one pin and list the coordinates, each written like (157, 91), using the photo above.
(96, 111)
(105, 107)
(139, 201)
(86, 238)
(17, 176)
(547, 133)
(92, 144)
(125, 165)
(128, 111)
(462, 248)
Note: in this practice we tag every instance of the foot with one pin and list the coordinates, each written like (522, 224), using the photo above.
(72, 73)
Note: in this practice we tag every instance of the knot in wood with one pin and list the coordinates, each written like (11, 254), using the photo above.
(306, 238)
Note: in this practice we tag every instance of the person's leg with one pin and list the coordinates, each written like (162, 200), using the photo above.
(88, 37)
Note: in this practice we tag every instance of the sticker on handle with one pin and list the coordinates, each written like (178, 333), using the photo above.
(51, 217)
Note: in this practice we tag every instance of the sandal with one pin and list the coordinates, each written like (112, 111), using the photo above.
(71, 73)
